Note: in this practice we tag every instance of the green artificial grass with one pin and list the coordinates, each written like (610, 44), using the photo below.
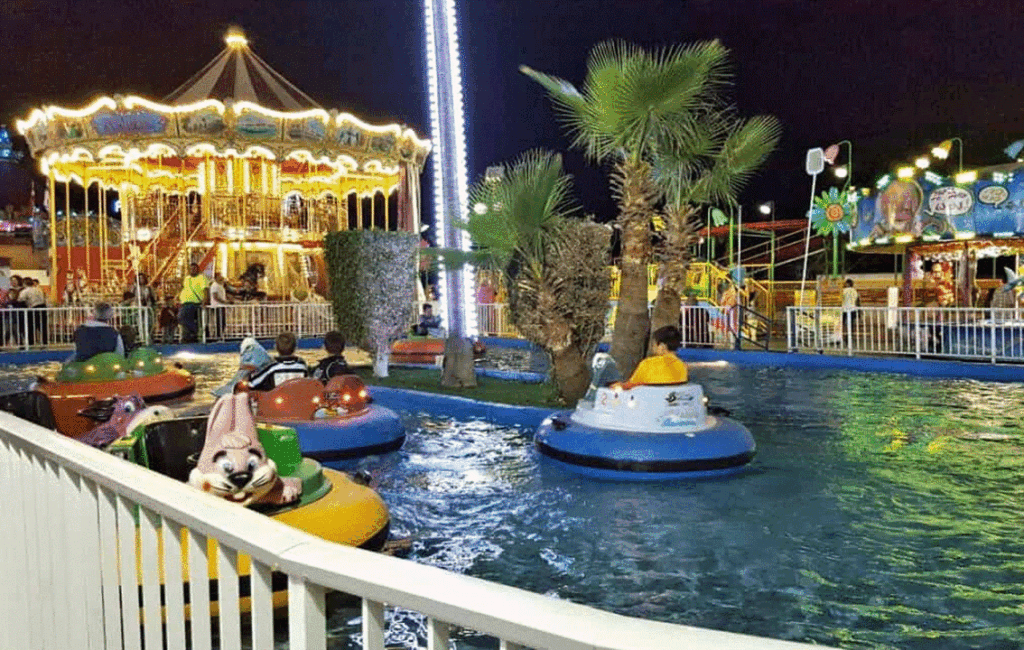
(488, 389)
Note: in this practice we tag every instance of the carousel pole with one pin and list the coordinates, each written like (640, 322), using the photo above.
(88, 247)
(52, 207)
(67, 223)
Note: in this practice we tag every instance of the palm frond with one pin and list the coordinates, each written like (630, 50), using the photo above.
(512, 218)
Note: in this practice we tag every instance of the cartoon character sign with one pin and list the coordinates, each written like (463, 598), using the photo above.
(233, 464)
(897, 208)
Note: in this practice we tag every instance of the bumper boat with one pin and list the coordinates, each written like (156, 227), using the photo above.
(646, 433)
(426, 350)
(79, 383)
(333, 422)
(332, 505)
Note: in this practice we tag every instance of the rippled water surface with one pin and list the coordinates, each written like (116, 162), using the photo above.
(872, 517)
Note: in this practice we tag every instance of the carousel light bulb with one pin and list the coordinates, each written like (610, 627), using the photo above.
(235, 38)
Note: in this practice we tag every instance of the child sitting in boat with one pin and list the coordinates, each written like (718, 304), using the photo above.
(252, 359)
(334, 364)
(429, 323)
(286, 366)
(664, 367)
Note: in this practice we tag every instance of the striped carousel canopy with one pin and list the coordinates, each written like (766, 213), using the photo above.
(237, 73)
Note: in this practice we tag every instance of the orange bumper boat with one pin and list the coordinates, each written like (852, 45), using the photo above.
(332, 422)
(426, 349)
(80, 383)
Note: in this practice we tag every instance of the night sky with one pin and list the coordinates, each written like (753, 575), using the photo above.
(893, 77)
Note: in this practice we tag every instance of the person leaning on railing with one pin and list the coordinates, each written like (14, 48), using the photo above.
(35, 301)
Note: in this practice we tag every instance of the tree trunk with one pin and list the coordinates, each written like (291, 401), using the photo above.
(380, 361)
(632, 320)
(635, 192)
(571, 374)
(458, 371)
(666, 310)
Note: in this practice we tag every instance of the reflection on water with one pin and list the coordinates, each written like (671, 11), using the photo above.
(872, 516)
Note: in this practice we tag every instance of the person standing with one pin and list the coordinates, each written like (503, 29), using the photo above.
(218, 307)
(35, 302)
(195, 292)
(851, 303)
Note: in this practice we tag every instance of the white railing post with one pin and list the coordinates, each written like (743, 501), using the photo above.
(917, 332)
(789, 329)
(149, 531)
(127, 559)
(373, 625)
(992, 339)
(107, 506)
(228, 616)
(307, 621)
(262, 606)
(437, 635)
(199, 591)
(174, 593)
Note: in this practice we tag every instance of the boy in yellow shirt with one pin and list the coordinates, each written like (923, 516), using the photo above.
(664, 367)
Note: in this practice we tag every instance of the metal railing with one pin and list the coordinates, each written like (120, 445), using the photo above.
(53, 328)
(710, 326)
(100, 554)
(947, 332)
(35, 328)
(493, 319)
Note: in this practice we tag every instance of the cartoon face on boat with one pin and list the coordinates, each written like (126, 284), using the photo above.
(233, 464)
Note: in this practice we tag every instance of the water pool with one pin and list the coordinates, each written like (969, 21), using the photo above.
(872, 516)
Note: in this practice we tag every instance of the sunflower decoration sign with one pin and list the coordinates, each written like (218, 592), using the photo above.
(832, 212)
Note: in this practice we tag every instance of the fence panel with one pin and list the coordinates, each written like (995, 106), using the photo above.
(935, 332)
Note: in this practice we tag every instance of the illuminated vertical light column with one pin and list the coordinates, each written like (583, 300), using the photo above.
(458, 308)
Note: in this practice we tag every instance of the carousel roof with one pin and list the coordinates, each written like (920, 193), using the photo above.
(238, 74)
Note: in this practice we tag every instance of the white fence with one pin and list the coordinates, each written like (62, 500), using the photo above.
(76, 523)
(956, 333)
(50, 328)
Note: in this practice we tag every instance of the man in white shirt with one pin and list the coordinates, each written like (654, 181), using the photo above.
(34, 299)
(851, 303)
(218, 300)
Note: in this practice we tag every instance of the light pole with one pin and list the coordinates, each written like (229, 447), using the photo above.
(844, 172)
(814, 165)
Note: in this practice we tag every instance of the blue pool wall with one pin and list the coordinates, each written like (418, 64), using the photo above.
(931, 368)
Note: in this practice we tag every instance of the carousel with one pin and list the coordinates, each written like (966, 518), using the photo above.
(237, 170)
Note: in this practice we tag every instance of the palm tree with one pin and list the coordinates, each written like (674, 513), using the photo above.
(553, 264)
(632, 104)
(731, 151)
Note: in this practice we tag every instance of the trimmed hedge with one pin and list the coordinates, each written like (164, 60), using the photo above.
(371, 276)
